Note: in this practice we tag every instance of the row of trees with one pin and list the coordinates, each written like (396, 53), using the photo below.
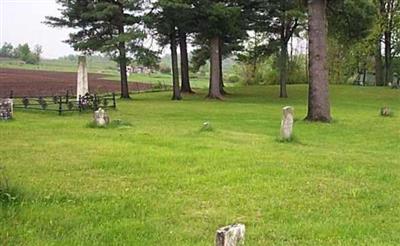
(22, 51)
(251, 29)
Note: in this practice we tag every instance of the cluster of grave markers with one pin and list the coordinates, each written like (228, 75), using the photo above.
(6, 109)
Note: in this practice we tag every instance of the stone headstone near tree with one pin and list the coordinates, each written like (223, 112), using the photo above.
(82, 85)
(6, 109)
(232, 235)
(101, 118)
(287, 123)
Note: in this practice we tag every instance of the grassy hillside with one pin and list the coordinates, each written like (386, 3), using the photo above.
(62, 65)
(163, 181)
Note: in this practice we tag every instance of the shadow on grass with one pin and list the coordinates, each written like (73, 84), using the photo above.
(115, 124)
(9, 194)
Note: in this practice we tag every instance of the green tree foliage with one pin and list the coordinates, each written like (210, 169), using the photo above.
(6, 50)
(166, 19)
(106, 26)
(278, 21)
(23, 52)
(220, 27)
(389, 33)
(351, 38)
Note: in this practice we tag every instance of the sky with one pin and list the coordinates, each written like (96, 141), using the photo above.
(21, 22)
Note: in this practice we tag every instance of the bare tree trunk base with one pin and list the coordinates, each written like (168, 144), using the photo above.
(224, 92)
(283, 96)
(215, 97)
(176, 98)
(188, 91)
(318, 119)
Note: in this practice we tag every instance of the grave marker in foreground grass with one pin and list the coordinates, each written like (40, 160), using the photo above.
(6, 109)
(232, 235)
(386, 112)
(287, 123)
(100, 118)
(82, 86)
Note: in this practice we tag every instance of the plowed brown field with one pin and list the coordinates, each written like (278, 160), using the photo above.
(47, 83)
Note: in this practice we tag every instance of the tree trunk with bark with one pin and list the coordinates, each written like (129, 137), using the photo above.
(185, 80)
(379, 80)
(318, 97)
(283, 59)
(122, 68)
(122, 60)
(215, 69)
(283, 69)
(221, 73)
(176, 93)
(388, 57)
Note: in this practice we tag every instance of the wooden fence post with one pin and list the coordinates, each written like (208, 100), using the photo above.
(80, 103)
(60, 106)
(67, 97)
(113, 98)
(95, 103)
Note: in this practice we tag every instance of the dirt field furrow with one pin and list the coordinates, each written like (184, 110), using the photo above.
(34, 83)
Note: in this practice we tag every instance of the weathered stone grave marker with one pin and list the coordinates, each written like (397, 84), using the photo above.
(100, 118)
(6, 109)
(82, 81)
(386, 112)
(287, 123)
(232, 235)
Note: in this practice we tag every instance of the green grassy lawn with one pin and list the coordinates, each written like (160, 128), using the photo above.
(162, 181)
(95, 66)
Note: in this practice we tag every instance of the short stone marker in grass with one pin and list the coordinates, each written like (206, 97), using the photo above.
(232, 235)
(287, 123)
(386, 112)
(6, 109)
(100, 118)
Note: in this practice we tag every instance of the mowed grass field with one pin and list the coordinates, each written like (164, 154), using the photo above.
(163, 181)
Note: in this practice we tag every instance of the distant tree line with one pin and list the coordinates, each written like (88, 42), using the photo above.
(22, 52)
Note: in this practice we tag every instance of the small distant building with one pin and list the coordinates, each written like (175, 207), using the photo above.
(138, 70)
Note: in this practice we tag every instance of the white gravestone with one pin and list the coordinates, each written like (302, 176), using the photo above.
(82, 80)
(287, 123)
(6, 109)
(101, 118)
(232, 235)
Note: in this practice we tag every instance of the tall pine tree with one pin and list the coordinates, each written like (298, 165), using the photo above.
(107, 26)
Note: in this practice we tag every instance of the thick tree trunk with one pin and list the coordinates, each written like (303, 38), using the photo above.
(388, 58)
(364, 71)
(122, 60)
(122, 67)
(221, 73)
(379, 80)
(283, 69)
(176, 93)
(215, 69)
(318, 98)
(185, 80)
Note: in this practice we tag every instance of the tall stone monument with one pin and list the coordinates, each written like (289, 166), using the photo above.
(287, 123)
(82, 81)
